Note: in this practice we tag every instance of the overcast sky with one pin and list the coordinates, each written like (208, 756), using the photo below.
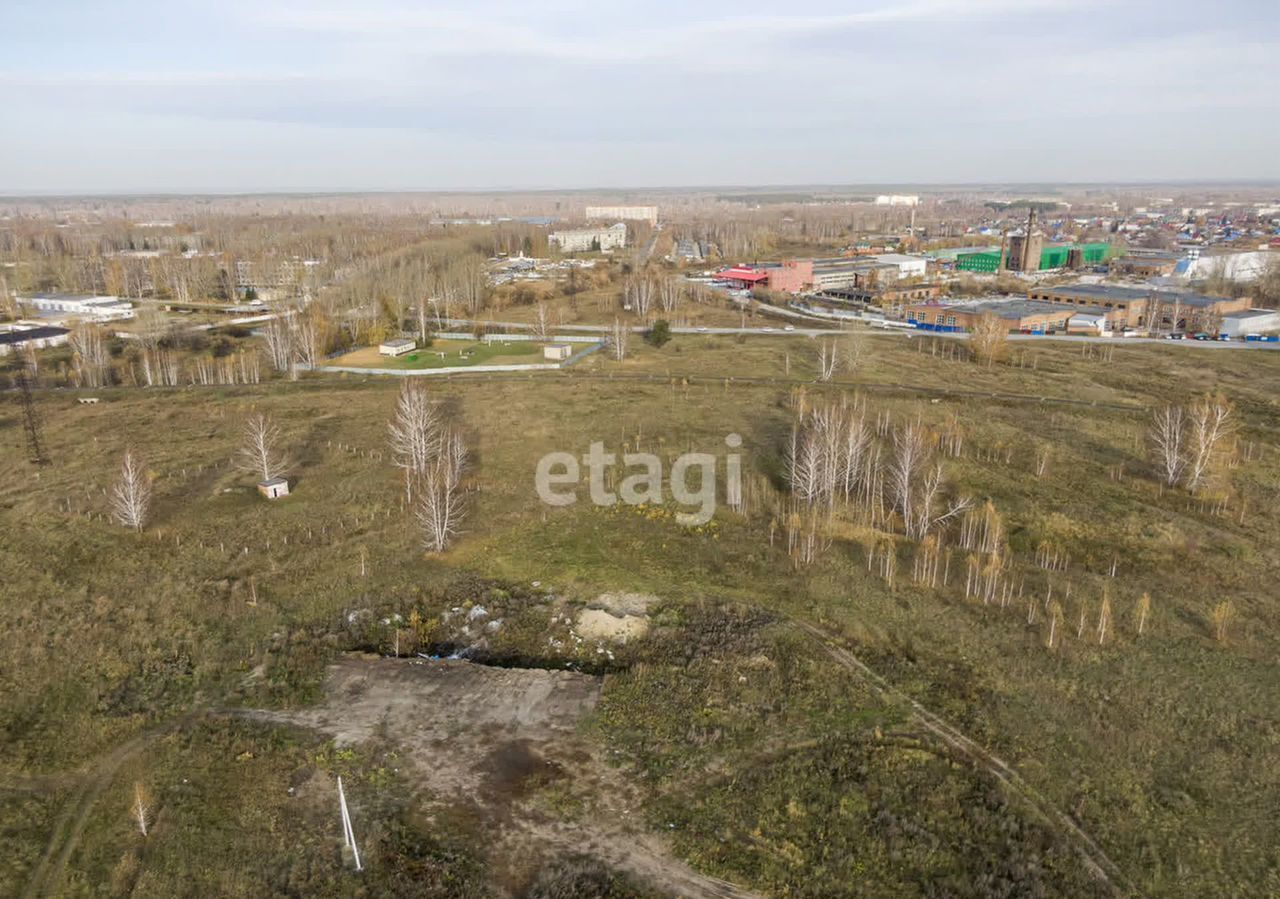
(270, 95)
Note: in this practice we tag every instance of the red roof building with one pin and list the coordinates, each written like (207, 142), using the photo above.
(743, 277)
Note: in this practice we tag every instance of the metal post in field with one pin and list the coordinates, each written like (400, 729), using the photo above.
(348, 835)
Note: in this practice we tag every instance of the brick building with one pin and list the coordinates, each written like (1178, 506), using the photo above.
(1135, 307)
(1018, 315)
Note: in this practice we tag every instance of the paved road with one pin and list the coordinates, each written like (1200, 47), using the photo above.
(793, 331)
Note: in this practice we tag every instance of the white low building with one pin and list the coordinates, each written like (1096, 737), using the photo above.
(908, 266)
(583, 240)
(21, 336)
(82, 306)
(1250, 321)
(397, 347)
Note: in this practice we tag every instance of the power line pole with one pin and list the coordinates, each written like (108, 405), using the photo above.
(30, 421)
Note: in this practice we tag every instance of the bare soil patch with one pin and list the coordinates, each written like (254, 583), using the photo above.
(489, 743)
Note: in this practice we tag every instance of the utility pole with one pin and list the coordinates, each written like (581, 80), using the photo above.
(30, 421)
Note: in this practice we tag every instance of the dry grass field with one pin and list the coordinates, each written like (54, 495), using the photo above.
(752, 751)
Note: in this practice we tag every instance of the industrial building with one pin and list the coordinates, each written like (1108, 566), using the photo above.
(743, 277)
(623, 214)
(907, 266)
(1250, 321)
(30, 335)
(842, 273)
(584, 240)
(1028, 316)
(1073, 255)
(1026, 251)
(1130, 306)
(792, 276)
(86, 307)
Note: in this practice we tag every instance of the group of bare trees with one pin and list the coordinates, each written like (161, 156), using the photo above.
(296, 337)
(90, 356)
(643, 289)
(1188, 442)
(989, 339)
(433, 455)
(834, 457)
(844, 354)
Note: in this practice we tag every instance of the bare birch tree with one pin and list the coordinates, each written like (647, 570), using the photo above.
(1166, 436)
(1210, 422)
(541, 322)
(619, 339)
(670, 292)
(261, 454)
(827, 358)
(131, 494)
(441, 503)
(415, 433)
(422, 313)
(140, 810)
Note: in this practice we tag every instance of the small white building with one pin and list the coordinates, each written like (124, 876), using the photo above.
(584, 240)
(557, 352)
(274, 488)
(1250, 321)
(908, 266)
(397, 347)
(82, 306)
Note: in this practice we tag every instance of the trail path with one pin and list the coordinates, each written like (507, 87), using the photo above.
(1095, 859)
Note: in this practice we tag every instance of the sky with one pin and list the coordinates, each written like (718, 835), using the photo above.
(273, 95)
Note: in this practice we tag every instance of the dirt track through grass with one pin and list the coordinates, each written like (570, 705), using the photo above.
(1095, 859)
(71, 822)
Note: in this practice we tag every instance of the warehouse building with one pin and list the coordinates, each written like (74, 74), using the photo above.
(1250, 321)
(907, 266)
(1026, 316)
(86, 307)
(21, 336)
(1134, 307)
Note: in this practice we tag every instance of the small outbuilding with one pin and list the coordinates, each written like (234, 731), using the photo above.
(397, 347)
(557, 352)
(274, 488)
